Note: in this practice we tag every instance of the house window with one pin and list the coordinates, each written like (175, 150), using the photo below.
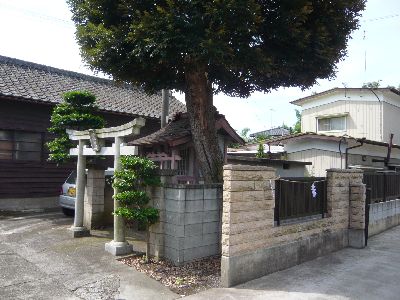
(20, 145)
(6, 144)
(332, 124)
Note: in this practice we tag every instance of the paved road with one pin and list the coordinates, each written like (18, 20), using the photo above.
(39, 260)
(370, 273)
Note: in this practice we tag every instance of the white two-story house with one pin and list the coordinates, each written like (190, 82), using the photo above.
(347, 127)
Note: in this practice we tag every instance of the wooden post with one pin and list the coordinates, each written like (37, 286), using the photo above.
(165, 107)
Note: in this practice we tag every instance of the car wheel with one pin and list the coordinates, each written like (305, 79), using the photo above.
(68, 212)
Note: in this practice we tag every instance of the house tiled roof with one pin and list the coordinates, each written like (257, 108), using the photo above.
(284, 139)
(278, 131)
(302, 100)
(34, 82)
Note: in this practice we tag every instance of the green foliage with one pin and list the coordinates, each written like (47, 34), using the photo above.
(261, 151)
(372, 84)
(244, 134)
(297, 126)
(233, 46)
(76, 112)
(131, 181)
(59, 147)
(262, 137)
(244, 46)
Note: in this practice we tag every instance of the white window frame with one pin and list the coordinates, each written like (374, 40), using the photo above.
(332, 117)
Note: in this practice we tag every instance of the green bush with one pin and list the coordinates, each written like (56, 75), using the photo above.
(260, 151)
(131, 181)
(76, 112)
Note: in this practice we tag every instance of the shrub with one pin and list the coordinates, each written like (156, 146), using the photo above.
(76, 112)
(131, 181)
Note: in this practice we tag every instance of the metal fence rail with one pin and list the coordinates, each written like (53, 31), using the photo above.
(383, 186)
(299, 197)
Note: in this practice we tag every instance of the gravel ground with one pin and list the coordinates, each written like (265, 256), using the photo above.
(184, 280)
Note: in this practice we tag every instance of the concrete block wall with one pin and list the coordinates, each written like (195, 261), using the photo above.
(190, 222)
(252, 246)
(383, 216)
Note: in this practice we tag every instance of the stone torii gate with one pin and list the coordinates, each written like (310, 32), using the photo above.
(96, 137)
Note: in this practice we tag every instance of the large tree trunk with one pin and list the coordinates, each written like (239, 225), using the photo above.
(199, 104)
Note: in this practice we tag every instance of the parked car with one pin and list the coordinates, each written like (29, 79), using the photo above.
(68, 195)
(68, 192)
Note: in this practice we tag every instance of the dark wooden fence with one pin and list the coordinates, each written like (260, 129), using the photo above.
(382, 186)
(299, 197)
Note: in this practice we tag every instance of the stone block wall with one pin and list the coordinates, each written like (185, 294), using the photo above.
(383, 216)
(94, 199)
(190, 222)
(252, 246)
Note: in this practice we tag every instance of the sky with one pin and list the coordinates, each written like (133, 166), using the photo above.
(41, 31)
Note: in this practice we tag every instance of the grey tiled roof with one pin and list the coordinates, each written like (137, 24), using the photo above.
(179, 127)
(278, 131)
(35, 82)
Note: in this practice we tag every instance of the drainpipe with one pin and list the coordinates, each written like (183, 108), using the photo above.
(348, 148)
(343, 138)
(165, 107)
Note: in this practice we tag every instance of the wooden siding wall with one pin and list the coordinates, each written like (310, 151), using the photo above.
(320, 159)
(363, 119)
(29, 179)
(391, 116)
(324, 159)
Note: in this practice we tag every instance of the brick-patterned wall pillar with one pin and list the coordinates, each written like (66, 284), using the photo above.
(357, 212)
(346, 202)
(94, 199)
(248, 215)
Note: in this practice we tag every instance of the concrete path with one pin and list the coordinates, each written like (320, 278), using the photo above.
(370, 273)
(39, 260)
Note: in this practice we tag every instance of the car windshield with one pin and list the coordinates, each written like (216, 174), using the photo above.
(71, 178)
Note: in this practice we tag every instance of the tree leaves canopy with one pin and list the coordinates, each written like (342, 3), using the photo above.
(244, 45)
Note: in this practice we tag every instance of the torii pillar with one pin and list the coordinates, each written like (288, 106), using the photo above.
(119, 245)
(78, 230)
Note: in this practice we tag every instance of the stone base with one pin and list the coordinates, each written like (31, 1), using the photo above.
(118, 248)
(79, 231)
(245, 267)
(29, 204)
(357, 238)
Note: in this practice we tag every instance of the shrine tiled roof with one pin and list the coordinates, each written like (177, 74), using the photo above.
(179, 128)
(22, 80)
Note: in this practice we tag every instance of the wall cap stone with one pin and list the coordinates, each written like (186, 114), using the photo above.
(248, 168)
(193, 186)
(345, 170)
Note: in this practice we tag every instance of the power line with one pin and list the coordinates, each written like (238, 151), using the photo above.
(38, 15)
(382, 18)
